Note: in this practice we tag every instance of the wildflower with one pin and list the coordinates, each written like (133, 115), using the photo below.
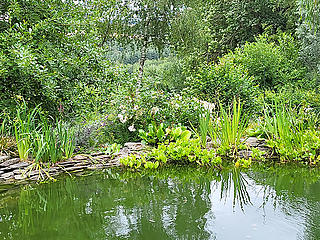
(154, 110)
(132, 128)
(19, 97)
(60, 108)
(121, 118)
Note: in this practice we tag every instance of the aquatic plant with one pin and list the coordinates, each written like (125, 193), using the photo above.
(158, 134)
(182, 151)
(23, 126)
(204, 126)
(37, 139)
(154, 134)
(292, 136)
(66, 139)
(228, 127)
(233, 124)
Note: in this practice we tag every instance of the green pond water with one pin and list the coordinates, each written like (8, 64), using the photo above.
(265, 202)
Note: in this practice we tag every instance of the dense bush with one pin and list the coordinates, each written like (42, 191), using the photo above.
(223, 82)
(48, 57)
(272, 63)
(166, 73)
(296, 97)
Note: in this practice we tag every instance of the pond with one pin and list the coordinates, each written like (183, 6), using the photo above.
(264, 202)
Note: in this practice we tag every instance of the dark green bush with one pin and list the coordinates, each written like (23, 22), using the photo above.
(272, 63)
(223, 82)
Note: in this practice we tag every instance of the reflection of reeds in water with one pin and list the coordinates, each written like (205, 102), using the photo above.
(235, 181)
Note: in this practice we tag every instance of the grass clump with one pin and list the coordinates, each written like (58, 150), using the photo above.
(292, 133)
(39, 141)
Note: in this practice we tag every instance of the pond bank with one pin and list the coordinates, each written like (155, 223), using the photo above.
(14, 170)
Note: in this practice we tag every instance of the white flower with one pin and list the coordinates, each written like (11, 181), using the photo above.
(207, 105)
(121, 118)
(135, 107)
(154, 110)
(132, 128)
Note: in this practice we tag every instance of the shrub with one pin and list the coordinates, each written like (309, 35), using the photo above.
(272, 63)
(129, 110)
(292, 133)
(223, 82)
(294, 96)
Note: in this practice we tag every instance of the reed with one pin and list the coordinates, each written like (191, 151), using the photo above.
(66, 139)
(233, 125)
(204, 126)
(23, 127)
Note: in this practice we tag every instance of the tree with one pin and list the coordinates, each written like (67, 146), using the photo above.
(211, 28)
(142, 22)
(310, 12)
(309, 36)
(47, 51)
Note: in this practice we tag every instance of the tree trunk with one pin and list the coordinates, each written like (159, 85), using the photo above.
(142, 61)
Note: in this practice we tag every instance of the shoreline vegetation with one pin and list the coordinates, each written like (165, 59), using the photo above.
(40, 152)
(196, 82)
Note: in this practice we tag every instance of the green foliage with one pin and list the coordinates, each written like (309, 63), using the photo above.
(292, 134)
(182, 151)
(24, 126)
(232, 126)
(224, 81)
(113, 148)
(296, 97)
(49, 55)
(209, 29)
(204, 126)
(186, 151)
(309, 11)
(272, 63)
(154, 135)
(165, 73)
(128, 112)
(158, 134)
(257, 154)
(38, 140)
(138, 21)
(243, 163)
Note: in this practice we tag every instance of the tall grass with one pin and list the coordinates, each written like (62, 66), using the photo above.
(204, 126)
(6, 128)
(37, 139)
(233, 125)
(24, 125)
(226, 128)
(292, 134)
(66, 138)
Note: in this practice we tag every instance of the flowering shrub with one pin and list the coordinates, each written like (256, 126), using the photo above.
(129, 110)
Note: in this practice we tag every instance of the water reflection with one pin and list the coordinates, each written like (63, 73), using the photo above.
(179, 203)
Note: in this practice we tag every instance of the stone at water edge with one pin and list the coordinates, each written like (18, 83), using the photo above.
(103, 157)
(4, 158)
(10, 162)
(96, 166)
(19, 165)
(253, 141)
(80, 157)
(7, 175)
(134, 145)
(97, 154)
(74, 168)
(20, 177)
